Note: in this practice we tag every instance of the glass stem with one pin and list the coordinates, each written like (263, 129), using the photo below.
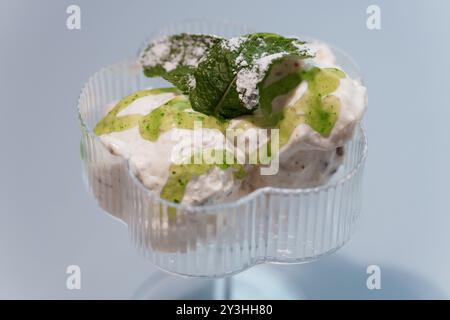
(222, 289)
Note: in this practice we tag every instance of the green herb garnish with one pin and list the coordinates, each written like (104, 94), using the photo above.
(223, 77)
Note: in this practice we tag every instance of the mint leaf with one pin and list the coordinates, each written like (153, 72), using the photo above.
(228, 80)
(215, 90)
(111, 122)
(222, 77)
(174, 58)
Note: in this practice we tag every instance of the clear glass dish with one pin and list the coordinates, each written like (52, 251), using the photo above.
(269, 225)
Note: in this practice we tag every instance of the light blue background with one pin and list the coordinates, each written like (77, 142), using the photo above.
(49, 221)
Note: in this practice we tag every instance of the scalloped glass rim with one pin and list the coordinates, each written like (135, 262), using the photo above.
(274, 225)
(211, 209)
(249, 197)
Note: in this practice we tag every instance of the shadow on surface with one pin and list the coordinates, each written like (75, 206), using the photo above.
(333, 277)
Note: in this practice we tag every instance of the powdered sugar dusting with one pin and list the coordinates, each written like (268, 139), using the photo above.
(233, 44)
(240, 61)
(186, 51)
(247, 79)
(264, 62)
(306, 49)
(249, 76)
(246, 84)
(191, 82)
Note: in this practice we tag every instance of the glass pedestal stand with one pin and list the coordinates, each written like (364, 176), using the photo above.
(260, 283)
(268, 225)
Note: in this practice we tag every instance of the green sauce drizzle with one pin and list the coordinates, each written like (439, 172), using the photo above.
(173, 114)
(112, 123)
(317, 108)
(278, 88)
(181, 174)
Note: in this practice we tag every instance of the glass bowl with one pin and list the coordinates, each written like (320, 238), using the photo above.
(269, 225)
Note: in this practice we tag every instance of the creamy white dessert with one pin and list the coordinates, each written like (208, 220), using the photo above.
(154, 162)
(312, 103)
(309, 159)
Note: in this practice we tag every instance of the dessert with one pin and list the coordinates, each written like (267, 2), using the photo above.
(221, 153)
(149, 147)
(253, 86)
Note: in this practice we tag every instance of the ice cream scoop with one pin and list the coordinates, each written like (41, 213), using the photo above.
(311, 146)
(164, 163)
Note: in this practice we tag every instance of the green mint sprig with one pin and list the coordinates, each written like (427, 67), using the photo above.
(223, 77)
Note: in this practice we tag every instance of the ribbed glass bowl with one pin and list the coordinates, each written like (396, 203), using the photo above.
(268, 225)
